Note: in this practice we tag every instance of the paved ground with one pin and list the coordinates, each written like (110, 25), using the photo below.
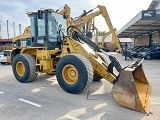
(43, 99)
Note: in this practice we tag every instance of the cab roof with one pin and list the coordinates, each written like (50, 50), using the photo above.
(31, 13)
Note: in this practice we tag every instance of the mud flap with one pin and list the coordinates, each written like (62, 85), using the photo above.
(132, 89)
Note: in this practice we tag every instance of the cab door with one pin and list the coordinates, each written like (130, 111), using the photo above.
(41, 30)
(52, 32)
(157, 52)
(38, 30)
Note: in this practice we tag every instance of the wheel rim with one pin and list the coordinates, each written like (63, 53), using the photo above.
(20, 68)
(70, 74)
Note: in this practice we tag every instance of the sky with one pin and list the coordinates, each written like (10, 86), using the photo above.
(120, 11)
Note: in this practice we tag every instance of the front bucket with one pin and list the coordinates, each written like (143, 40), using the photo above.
(132, 89)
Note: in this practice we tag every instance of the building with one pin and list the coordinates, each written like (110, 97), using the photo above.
(144, 28)
(110, 46)
(5, 44)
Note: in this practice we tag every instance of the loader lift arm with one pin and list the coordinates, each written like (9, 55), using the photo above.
(88, 16)
(65, 11)
(81, 36)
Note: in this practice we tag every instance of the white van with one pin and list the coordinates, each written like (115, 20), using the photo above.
(5, 56)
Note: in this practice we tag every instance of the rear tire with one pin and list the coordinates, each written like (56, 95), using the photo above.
(24, 68)
(74, 73)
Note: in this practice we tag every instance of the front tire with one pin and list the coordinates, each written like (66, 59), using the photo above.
(148, 57)
(24, 68)
(74, 73)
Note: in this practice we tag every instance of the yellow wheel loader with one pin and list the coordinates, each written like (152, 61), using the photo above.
(52, 47)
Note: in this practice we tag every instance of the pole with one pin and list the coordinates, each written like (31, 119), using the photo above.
(14, 33)
(125, 51)
(0, 35)
(20, 29)
(7, 32)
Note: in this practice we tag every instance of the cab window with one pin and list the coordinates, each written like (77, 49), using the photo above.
(52, 27)
(41, 26)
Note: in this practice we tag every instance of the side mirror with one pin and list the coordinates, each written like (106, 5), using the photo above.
(40, 14)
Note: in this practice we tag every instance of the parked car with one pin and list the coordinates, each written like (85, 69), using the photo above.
(5, 56)
(145, 50)
(130, 49)
(134, 53)
(135, 48)
(153, 52)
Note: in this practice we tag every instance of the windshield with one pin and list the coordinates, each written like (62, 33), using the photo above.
(150, 48)
(5, 53)
(60, 22)
(146, 48)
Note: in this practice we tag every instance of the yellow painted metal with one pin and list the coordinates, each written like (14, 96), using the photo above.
(66, 12)
(96, 38)
(26, 34)
(47, 64)
(132, 89)
(72, 46)
(115, 39)
(45, 61)
(20, 68)
(30, 50)
(106, 35)
(43, 57)
(70, 74)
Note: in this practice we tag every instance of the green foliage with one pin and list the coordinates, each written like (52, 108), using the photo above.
(101, 33)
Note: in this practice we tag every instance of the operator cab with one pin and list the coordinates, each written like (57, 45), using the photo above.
(45, 29)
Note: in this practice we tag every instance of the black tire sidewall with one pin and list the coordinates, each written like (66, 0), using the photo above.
(83, 75)
(25, 77)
